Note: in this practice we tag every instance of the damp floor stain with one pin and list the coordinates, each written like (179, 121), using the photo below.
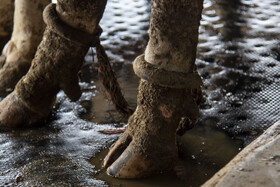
(238, 59)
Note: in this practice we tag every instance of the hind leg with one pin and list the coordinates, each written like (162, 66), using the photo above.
(71, 25)
(27, 33)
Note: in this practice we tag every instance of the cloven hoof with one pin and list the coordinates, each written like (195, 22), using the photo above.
(13, 67)
(15, 113)
(139, 156)
(148, 146)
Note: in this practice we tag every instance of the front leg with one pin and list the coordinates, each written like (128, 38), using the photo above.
(166, 92)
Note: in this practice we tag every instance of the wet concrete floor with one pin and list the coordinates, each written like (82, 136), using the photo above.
(238, 58)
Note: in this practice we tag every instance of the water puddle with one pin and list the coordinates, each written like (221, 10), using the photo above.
(202, 152)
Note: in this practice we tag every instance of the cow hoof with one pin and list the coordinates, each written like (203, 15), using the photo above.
(148, 146)
(15, 113)
(13, 67)
(132, 158)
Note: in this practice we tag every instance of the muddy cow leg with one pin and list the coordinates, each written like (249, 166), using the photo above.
(71, 27)
(6, 17)
(168, 81)
(27, 33)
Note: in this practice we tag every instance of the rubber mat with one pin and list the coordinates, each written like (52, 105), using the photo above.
(238, 58)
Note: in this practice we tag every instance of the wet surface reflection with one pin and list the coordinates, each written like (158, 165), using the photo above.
(241, 66)
(238, 58)
(202, 152)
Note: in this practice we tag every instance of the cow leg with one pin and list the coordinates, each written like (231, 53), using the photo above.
(6, 17)
(27, 33)
(71, 29)
(167, 92)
